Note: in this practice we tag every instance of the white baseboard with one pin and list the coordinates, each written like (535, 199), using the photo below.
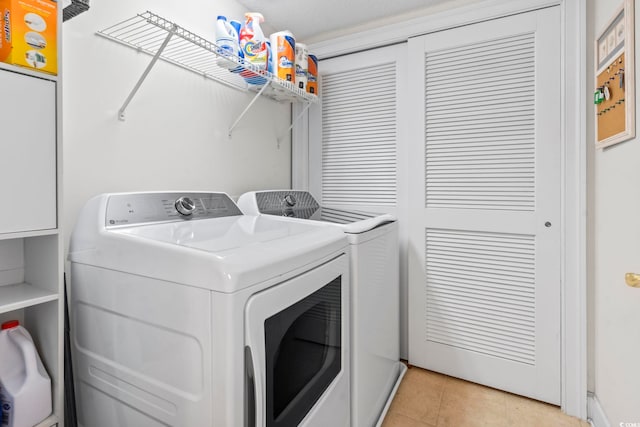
(597, 418)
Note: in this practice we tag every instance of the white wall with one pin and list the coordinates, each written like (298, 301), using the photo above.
(175, 133)
(615, 307)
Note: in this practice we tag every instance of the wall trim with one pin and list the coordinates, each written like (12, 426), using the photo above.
(597, 417)
(574, 266)
(574, 241)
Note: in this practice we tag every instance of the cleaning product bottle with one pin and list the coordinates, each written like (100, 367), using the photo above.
(269, 56)
(254, 48)
(227, 41)
(252, 40)
(237, 26)
(25, 387)
(256, 81)
(302, 65)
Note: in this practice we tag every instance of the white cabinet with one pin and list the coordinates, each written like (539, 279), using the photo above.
(27, 153)
(31, 266)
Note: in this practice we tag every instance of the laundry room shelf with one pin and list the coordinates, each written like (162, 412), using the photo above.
(23, 234)
(28, 71)
(163, 39)
(22, 295)
(48, 422)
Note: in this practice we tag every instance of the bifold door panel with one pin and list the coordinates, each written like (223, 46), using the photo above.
(484, 289)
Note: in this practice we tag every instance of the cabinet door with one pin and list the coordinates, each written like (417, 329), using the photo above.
(27, 153)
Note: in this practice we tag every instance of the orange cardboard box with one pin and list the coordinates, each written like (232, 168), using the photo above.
(29, 34)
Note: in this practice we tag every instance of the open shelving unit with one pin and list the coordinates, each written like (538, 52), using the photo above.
(167, 41)
(23, 295)
(31, 292)
(31, 241)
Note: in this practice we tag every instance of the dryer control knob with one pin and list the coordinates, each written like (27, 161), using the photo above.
(185, 206)
(290, 200)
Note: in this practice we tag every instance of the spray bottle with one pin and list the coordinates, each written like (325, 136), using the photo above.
(253, 46)
(252, 41)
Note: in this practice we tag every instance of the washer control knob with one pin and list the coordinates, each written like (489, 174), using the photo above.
(185, 206)
(290, 200)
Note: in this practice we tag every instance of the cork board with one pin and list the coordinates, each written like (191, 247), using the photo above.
(610, 113)
(614, 91)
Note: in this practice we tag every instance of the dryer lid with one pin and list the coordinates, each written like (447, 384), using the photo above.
(224, 236)
(223, 252)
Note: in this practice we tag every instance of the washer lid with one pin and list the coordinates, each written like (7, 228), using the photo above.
(337, 216)
(302, 205)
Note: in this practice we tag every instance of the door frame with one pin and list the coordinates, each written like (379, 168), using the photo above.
(574, 156)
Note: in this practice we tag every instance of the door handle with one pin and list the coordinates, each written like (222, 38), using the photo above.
(249, 390)
(632, 279)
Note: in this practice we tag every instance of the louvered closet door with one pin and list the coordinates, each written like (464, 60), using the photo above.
(354, 134)
(358, 141)
(484, 273)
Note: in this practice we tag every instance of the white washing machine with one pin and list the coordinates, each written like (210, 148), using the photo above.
(184, 312)
(376, 370)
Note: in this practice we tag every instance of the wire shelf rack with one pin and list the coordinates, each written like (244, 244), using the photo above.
(74, 9)
(165, 40)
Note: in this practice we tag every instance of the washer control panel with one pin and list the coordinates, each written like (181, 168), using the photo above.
(138, 208)
(270, 201)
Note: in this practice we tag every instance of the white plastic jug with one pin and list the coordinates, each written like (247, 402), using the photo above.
(25, 386)
(227, 39)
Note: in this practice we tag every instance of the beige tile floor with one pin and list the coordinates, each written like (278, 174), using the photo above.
(429, 399)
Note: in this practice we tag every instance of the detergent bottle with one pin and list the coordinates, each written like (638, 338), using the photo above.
(227, 40)
(269, 57)
(252, 41)
(237, 26)
(25, 387)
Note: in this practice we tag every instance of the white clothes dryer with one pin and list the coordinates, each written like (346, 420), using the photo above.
(184, 312)
(376, 370)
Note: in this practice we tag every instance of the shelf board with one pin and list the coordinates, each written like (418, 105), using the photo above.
(22, 295)
(50, 421)
(28, 72)
(23, 234)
